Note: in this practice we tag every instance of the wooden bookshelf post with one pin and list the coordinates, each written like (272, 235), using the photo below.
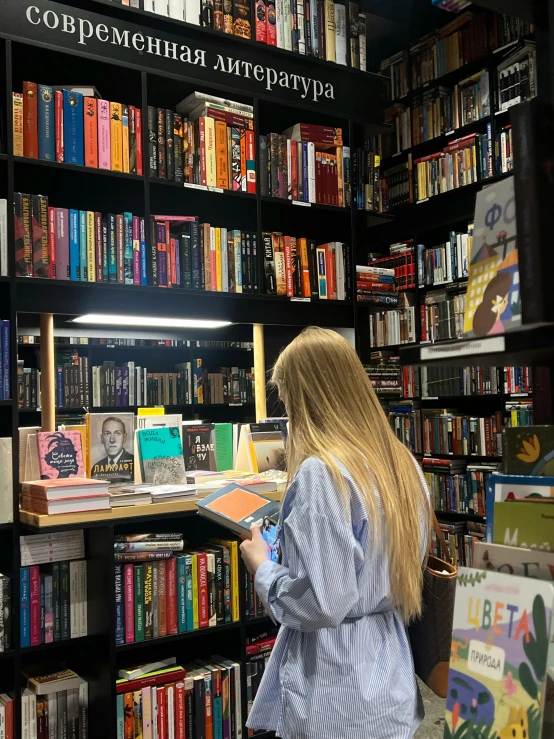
(259, 371)
(47, 372)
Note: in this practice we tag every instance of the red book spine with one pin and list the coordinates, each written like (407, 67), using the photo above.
(170, 256)
(180, 718)
(330, 271)
(58, 106)
(271, 33)
(34, 610)
(288, 267)
(98, 247)
(162, 598)
(149, 682)
(162, 714)
(138, 135)
(202, 137)
(261, 21)
(294, 168)
(30, 120)
(91, 133)
(52, 241)
(202, 564)
(369, 285)
(129, 604)
(423, 323)
(40, 720)
(171, 587)
(9, 720)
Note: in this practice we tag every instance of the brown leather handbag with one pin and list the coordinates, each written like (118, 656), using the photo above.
(431, 634)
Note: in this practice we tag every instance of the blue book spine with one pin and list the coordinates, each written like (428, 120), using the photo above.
(218, 718)
(120, 717)
(112, 260)
(305, 194)
(60, 395)
(46, 128)
(74, 252)
(73, 125)
(83, 245)
(5, 349)
(119, 607)
(181, 594)
(25, 626)
(128, 247)
(188, 592)
(143, 265)
(42, 608)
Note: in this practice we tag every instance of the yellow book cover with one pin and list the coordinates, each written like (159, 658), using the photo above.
(222, 154)
(218, 260)
(329, 15)
(211, 165)
(125, 131)
(233, 548)
(17, 102)
(194, 591)
(150, 411)
(91, 250)
(340, 176)
(116, 137)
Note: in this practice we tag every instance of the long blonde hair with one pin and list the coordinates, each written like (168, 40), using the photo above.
(334, 415)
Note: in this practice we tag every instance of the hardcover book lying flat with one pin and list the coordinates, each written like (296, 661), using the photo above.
(238, 509)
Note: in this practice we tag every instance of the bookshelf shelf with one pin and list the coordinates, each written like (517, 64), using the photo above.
(307, 206)
(6, 403)
(6, 527)
(258, 620)
(474, 457)
(65, 643)
(131, 646)
(210, 191)
(455, 516)
(62, 166)
(9, 654)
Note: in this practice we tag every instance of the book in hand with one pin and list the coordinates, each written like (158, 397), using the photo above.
(60, 454)
(498, 665)
(238, 509)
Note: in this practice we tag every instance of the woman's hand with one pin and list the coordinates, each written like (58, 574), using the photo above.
(254, 551)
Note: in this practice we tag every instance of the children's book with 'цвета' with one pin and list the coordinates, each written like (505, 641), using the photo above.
(499, 660)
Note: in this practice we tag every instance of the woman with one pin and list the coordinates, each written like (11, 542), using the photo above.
(354, 532)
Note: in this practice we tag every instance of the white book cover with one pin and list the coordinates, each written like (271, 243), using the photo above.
(160, 7)
(52, 700)
(3, 237)
(132, 393)
(192, 12)
(83, 601)
(301, 26)
(176, 9)
(171, 712)
(25, 718)
(311, 173)
(513, 560)
(279, 23)
(32, 715)
(32, 465)
(6, 481)
(362, 41)
(83, 708)
(339, 269)
(154, 713)
(287, 25)
(2, 721)
(146, 713)
(149, 5)
(74, 599)
(42, 548)
(340, 33)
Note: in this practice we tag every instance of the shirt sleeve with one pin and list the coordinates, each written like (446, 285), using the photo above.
(319, 587)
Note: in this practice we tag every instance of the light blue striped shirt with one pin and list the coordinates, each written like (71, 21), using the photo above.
(342, 666)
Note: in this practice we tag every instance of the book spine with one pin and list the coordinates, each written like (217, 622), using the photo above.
(139, 602)
(129, 604)
(46, 124)
(203, 610)
(52, 250)
(91, 132)
(30, 120)
(73, 600)
(169, 141)
(17, 124)
(116, 137)
(82, 245)
(148, 603)
(56, 601)
(120, 248)
(161, 148)
(171, 588)
(138, 141)
(98, 246)
(64, 601)
(152, 142)
(162, 598)
(104, 138)
(90, 247)
(34, 606)
(23, 231)
(73, 128)
(24, 601)
(125, 139)
(143, 250)
(39, 228)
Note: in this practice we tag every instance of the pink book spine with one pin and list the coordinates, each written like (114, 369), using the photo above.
(35, 605)
(104, 152)
(136, 250)
(213, 262)
(129, 604)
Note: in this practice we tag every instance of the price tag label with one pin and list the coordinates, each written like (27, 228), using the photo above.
(490, 345)
(192, 186)
(299, 202)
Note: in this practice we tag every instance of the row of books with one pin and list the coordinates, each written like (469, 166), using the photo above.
(457, 486)
(190, 384)
(461, 539)
(446, 262)
(306, 163)
(4, 267)
(5, 360)
(209, 142)
(119, 341)
(464, 381)
(442, 315)
(28, 386)
(7, 714)
(389, 379)
(401, 258)
(503, 150)
(517, 75)
(72, 381)
(75, 126)
(173, 592)
(202, 699)
(396, 186)
(405, 420)
(376, 285)
(53, 602)
(396, 326)
(367, 193)
(520, 412)
(253, 606)
(258, 653)
(54, 705)
(446, 432)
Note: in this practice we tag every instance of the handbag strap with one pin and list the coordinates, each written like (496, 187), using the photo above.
(442, 541)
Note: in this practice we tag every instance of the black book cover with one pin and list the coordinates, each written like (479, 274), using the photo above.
(208, 13)
(312, 267)
(178, 153)
(200, 448)
(273, 154)
(199, 707)
(160, 132)
(169, 151)
(7, 604)
(254, 272)
(264, 170)
(347, 262)
(152, 142)
(189, 714)
(132, 139)
(195, 233)
(219, 583)
(269, 265)
(242, 22)
(297, 269)
(185, 242)
(154, 251)
(244, 263)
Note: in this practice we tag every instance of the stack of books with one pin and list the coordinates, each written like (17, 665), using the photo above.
(405, 419)
(74, 125)
(201, 699)
(64, 495)
(376, 285)
(397, 326)
(161, 590)
(520, 412)
(306, 163)
(386, 377)
(517, 75)
(208, 142)
(449, 432)
(366, 178)
(54, 704)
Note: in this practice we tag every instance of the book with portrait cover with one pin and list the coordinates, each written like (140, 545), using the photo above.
(200, 448)
(110, 438)
(161, 455)
(500, 656)
(60, 454)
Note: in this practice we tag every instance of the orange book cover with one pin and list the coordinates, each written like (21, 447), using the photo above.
(302, 248)
(340, 176)
(30, 120)
(330, 271)
(116, 137)
(221, 154)
(17, 99)
(91, 133)
(243, 159)
(289, 269)
(129, 716)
